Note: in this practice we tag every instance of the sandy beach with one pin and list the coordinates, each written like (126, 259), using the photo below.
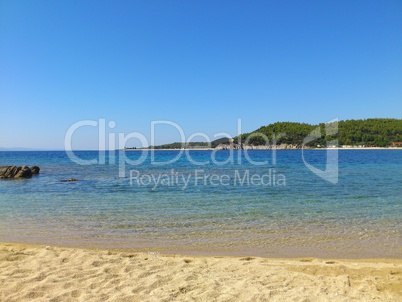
(44, 273)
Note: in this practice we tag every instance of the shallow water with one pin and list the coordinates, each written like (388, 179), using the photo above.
(284, 211)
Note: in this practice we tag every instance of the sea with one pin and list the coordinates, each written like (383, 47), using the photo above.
(267, 203)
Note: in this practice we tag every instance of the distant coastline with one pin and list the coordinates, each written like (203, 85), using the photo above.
(367, 134)
(260, 149)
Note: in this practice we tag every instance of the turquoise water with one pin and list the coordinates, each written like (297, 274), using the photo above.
(291, 212)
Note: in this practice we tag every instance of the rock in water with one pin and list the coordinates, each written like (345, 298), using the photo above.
(35, 170)
(69, 180)
(5, 172)
(18, 172)
(23, 172)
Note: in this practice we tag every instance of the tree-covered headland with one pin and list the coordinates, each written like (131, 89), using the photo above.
(374, 132)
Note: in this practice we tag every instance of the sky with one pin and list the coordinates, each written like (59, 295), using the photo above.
(201, 65)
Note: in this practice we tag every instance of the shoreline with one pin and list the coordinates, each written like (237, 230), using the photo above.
(168, 253)
(49, 272)
(210, 149)
(213, 149)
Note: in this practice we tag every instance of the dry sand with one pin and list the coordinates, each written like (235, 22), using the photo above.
(39, 273)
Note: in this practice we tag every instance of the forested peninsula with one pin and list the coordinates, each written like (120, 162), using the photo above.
(373, 132)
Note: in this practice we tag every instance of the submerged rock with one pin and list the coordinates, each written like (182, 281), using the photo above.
(18, 172)
(69, 180)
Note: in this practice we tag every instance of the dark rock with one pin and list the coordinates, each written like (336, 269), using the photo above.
(18, 172)
(35, 170)
(69, 180)
(5, 172)
(23, 172)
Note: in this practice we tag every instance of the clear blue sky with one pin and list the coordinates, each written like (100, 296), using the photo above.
(200, 64)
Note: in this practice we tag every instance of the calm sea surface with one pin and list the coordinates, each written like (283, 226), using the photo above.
(279, 208)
